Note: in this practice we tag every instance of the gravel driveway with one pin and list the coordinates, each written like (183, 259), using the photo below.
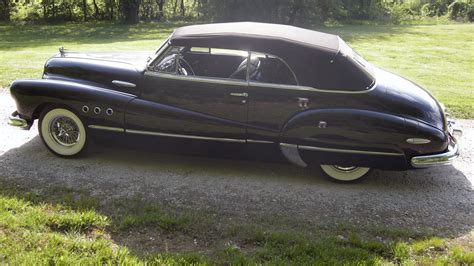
(432, 199)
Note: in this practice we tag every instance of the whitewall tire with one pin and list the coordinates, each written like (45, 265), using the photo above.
(345, 174)
(62, 132)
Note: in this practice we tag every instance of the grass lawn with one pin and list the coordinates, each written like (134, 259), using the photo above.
(63, 226)
(438, 57)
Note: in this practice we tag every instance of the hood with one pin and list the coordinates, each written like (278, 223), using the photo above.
(410, 100)
(98, 69)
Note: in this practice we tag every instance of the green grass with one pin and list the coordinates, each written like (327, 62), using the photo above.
(47, 227)
(438, 57)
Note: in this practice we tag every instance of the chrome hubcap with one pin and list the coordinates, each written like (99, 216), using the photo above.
(64, 131)
(344, 169)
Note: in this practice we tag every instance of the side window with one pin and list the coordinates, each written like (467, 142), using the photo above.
(167, 63)
(213, 63)
(270, 69)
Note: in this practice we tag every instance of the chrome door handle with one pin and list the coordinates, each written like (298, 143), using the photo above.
(123, 84)
(237, 94)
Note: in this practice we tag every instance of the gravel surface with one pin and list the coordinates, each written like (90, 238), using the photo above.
(438, 199)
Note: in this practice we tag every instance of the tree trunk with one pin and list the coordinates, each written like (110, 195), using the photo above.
(130, 9)
(182, 8)
(45, 12)
(175, 6)
(84, 9)
(5, 11)
(54, 11)
(96, 9)
(160, 4)
(295, 9)
(112, 5)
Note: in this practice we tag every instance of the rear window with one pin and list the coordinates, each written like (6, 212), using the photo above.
(345, 71)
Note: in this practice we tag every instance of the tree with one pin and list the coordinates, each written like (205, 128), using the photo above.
(130, 11)
(96, 9)
(182, 8)
(84, 9)
(5, 9)
(160, 4)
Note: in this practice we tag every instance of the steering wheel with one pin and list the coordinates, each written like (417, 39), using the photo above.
(184, 68)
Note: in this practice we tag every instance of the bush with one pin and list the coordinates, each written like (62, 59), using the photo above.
(461, 10)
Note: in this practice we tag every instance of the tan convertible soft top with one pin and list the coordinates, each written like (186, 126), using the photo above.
(255, 36)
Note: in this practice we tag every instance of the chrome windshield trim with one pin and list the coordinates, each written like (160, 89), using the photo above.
(198, 79)
(349, 151)
(123, 84)
(445, 158)
(115, 129)
(150, 133)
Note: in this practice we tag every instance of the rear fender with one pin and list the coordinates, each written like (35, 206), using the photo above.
(342, 136)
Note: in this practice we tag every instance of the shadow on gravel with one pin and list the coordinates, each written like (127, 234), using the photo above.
(238, 182)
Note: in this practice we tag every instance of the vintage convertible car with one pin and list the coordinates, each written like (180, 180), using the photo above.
(303, 90)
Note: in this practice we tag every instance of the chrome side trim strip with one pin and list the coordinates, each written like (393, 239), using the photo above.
(123, 84)
(259, 141)
(307, 88)
(436, 159)
(131, 131)
(115, 129)
(255, 84)
(349, 151)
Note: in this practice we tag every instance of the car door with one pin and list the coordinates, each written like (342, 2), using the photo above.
(174, 101)
(273, 97)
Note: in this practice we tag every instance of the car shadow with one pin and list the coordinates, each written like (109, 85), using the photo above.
(232, 180)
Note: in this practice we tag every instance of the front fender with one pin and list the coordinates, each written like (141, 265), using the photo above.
(31, 95)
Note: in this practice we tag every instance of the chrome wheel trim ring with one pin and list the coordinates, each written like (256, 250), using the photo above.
(61, 147)
(346, 174)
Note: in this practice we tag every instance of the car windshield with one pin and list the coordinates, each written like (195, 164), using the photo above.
(346, 50)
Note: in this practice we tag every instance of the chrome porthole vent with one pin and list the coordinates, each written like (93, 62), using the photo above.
(85, 109)
(109, 111)
(97, 110)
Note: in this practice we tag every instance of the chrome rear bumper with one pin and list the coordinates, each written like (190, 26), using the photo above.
(15, 120)
(436, 159)
(444, 158)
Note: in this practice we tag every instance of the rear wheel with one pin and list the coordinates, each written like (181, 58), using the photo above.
(345, 174)
(62, 132)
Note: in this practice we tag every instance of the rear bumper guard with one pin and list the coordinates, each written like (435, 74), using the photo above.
(16, 121)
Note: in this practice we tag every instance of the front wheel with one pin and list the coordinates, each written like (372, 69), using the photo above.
(345, 174)
(62, 132)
